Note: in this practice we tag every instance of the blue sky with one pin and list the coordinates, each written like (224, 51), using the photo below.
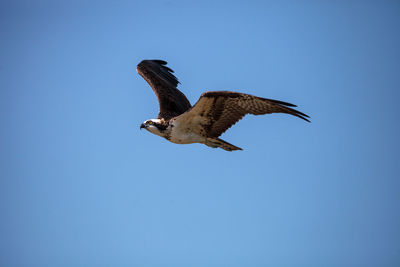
(81, 185)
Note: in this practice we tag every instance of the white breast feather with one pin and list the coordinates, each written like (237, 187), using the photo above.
(182, 133)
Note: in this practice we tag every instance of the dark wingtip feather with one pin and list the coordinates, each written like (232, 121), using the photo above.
(292, 111)
(282, 103)
(159, 61)
(169, 69)
(303, 117)
(299, 114)
(159, 68)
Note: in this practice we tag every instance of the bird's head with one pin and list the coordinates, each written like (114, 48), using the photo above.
(153, 125)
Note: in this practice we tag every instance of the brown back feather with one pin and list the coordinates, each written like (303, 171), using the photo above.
(172, 102)
(229, 107)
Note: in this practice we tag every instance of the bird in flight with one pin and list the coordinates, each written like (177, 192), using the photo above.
(213, 114)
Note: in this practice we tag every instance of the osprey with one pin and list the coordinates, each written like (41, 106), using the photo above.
(213, 114)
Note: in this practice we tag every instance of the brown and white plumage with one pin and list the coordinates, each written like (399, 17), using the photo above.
(212, 115)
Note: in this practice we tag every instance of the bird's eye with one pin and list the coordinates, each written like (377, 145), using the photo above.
(150, 122)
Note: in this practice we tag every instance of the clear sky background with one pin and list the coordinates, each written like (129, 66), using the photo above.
(81, 185)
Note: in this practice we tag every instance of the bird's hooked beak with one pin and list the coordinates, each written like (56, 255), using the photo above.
(142, 126)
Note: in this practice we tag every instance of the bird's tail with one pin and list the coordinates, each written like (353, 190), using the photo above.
(216, 142)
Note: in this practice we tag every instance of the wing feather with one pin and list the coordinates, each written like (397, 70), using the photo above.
(172, 102)
(217, 111)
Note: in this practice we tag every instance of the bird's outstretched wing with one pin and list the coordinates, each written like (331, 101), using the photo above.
(172, 102)
(215, 112)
